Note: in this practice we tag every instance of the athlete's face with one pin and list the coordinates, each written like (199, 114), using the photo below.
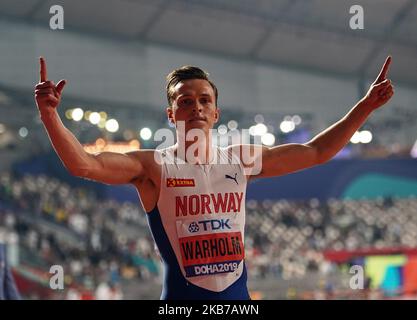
(194, 104)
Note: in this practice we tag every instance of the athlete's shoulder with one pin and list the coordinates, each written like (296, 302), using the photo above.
(147, 157)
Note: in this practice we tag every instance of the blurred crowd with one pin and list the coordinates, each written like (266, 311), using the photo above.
(100, 242)
(288, 238)
(104, 243)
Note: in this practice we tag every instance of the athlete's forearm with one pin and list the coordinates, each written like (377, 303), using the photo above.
(68, 148)
(330, 141)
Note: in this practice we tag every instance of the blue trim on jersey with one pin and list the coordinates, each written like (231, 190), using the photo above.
(176, 286)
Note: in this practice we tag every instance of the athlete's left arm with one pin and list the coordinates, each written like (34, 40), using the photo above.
(293, 157)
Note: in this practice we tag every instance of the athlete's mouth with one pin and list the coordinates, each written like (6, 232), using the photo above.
(197, 119)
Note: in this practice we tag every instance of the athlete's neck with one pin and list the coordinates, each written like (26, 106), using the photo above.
(198, 150)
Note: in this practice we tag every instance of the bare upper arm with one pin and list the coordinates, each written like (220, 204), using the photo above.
(118, 168)
(275, 161)
(287, 158)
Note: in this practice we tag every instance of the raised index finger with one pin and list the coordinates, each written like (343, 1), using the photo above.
(383, 73)
(43, 73)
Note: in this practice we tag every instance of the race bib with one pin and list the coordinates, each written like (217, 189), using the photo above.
(210, 246)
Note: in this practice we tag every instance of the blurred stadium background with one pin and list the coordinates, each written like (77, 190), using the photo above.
(285, 69)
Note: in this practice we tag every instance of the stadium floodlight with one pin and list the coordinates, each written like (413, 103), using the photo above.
(77, 114)
(232, 124)
(259, 118)
(94, 117)
(222, 129)
(356, 138)
(23, 132)
(268, 139)
(145, 133)
(296, 119)
(365, 136)
(287, 126)
(112, 125)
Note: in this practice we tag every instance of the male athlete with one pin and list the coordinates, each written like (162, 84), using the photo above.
(193, 192)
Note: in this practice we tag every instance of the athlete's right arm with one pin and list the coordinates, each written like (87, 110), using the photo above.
(106, 167)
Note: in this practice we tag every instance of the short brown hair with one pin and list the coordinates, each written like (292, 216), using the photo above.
(186, 73)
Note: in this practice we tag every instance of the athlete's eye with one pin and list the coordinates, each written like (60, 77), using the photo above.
(186, 102)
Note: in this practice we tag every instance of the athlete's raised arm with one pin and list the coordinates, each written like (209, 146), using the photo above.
(106, 167)
(293, 157)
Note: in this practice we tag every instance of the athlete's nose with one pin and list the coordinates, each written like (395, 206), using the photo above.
(197, 108)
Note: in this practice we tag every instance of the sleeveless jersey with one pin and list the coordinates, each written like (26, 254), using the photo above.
(198, 227)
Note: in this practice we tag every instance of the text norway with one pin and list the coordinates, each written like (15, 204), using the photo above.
(208, 203)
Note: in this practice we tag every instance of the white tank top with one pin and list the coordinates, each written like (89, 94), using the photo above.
(202, 208)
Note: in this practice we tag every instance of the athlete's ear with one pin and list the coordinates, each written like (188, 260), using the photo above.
(170, 114)
(216, 115)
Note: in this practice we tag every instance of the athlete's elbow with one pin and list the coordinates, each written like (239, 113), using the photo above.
(79, 171)
(314, 155)
(82, 168)
(321, 158)
(322, 154)
(325, 157)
